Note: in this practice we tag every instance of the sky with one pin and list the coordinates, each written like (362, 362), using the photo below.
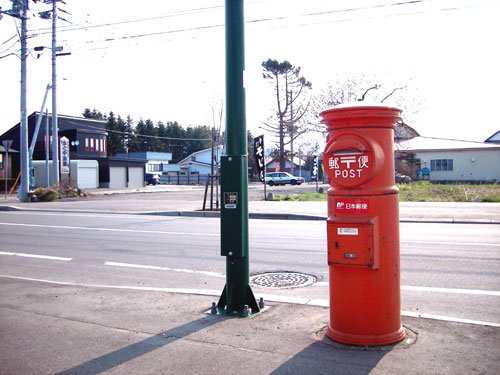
(164, 60)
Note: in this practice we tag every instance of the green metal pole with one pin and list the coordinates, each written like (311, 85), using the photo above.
(234, 172)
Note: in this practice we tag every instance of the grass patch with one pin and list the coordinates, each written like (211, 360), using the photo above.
(423, 191)
(303, 197)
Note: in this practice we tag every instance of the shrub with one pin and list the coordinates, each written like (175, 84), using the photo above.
(46, 194)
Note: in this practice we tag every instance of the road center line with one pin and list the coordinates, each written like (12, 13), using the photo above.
(267, 297)
(24, 255)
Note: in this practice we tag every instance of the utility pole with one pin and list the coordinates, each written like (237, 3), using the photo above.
(291, 132)
(237, 296)
(24, 187)
(55, 132)
(20, 10)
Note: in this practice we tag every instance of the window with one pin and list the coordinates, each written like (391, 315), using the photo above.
(442, 165)
(102, 145)
(97, 145)
(154, 168)
(105, 144)
(92, 144)
(86, 144)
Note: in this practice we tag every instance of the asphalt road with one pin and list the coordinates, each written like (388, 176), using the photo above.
(446, 269)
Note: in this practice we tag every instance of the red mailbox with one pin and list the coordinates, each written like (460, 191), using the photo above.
(362, 225)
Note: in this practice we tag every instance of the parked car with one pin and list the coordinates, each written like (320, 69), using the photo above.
(152, 179)
(401, 178)
(282, 178)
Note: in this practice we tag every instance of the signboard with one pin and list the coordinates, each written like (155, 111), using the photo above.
(64, 150)
(258, 148)
(230, 200)
(314, 173)
(7, 143)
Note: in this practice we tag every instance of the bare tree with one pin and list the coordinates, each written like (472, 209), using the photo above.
(361, 89)
(289, 87)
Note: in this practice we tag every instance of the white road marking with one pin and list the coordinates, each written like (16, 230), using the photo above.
(143, 266)
(436, 289)
(220, 275)
(448, 318)
(110, 229)
(450, 290)
(452, 243)
(267, 297)
(24, 255)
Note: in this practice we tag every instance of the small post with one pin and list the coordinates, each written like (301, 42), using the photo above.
(6, 144)
(47, 136)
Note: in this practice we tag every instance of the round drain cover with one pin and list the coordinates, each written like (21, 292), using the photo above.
(281, 280)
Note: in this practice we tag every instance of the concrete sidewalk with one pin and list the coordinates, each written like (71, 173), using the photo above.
(48, 328)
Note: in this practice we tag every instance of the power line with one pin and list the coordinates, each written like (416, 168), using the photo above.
(145, 135)
(262, 20)
(8, 40)
(451, 139)
(169, 15)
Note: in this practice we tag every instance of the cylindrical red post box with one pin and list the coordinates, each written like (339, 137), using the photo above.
(363, 225)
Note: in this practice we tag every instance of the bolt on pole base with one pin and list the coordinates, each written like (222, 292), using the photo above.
(242, 307)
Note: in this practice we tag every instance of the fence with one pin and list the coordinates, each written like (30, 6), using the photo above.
(185, 179)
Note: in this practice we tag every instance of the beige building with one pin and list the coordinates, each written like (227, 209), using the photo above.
(452, 161)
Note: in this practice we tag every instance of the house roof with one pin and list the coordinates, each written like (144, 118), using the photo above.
(297, 161)
(433, 144)
(495, 138)
(404, 131)
(66, 123)
(188, 162)
(148, 155)
(188, 158)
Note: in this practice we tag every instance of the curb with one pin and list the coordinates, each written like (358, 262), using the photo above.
(261, 216)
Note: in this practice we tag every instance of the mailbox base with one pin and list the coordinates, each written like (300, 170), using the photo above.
(366, 340)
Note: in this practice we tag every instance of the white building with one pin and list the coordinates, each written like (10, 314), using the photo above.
(192, 169)
(453, 161)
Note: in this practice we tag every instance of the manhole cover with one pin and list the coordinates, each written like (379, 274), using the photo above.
(281, 280)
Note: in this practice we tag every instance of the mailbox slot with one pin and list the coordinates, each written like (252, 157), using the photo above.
(351, 242)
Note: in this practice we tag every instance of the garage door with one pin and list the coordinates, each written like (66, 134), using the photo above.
(87, 178)
(135, 177)
(117, 177)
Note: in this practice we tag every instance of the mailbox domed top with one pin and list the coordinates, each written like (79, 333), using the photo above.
(360, 114)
